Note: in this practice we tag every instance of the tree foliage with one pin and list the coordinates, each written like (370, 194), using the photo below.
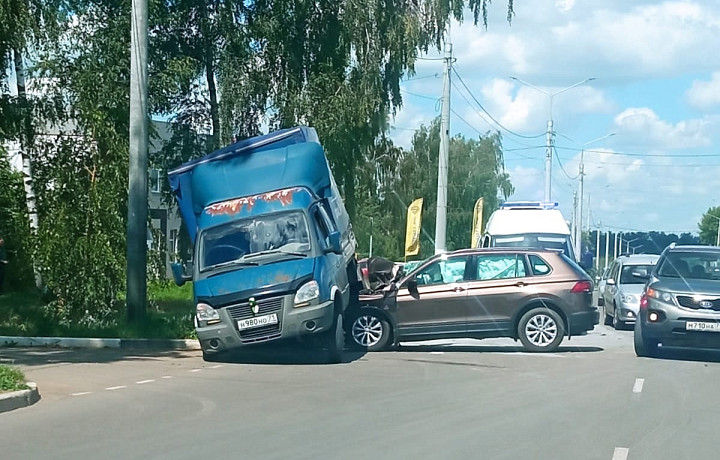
(708, 225)
(14, 227)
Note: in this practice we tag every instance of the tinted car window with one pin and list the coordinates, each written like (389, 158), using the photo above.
(500, 266)
(443, 272)
(538, 266)
(627, 277)
(691, 265)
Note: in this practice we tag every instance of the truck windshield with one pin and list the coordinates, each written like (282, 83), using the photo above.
(248, 241)
(536, 240)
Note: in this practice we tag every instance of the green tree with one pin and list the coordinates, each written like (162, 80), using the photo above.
(709, 226)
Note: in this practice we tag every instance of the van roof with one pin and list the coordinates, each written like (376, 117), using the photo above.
(528, 220)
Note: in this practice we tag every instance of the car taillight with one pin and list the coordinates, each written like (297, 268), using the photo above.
(582, 286)
(644, 302)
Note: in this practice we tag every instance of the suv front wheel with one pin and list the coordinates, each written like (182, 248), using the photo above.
(541, 329)
(644, 347)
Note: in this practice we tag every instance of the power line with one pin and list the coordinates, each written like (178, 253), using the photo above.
(419, 95)
(562, 168)
(637, 154)
(490, 115)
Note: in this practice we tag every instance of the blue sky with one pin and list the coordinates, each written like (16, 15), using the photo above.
(656, 87)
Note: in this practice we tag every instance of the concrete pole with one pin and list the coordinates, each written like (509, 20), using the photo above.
(607, 248)
(548, 159)
(441, 211)
(137, 184)
(597, 251)
(580, 203)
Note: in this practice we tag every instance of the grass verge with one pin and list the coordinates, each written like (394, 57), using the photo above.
(169, 316)
(11, 379)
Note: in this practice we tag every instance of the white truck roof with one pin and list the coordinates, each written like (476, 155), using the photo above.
(527, 220)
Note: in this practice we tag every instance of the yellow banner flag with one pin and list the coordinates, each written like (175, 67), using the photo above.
(412, 234)
(477, 223)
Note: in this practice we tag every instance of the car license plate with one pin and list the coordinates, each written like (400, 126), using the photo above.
(702, 326)
(257, 321)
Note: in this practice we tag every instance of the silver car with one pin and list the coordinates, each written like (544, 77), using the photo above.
(624, 287)
(601, 283)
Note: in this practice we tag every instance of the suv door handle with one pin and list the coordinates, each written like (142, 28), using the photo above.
(520, 284)
(459, 289)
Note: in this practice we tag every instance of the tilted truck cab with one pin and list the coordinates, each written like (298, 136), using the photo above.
(274, 252)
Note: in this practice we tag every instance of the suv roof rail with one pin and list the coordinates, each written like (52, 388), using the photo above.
(672, 245)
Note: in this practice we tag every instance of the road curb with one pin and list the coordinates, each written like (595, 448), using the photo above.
(76, 342)
(19, 399)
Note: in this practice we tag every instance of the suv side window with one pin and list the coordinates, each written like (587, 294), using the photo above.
(538, 266)
(500, 266)
(445, 271)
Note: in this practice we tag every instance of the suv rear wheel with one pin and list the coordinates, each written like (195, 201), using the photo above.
(541, 329)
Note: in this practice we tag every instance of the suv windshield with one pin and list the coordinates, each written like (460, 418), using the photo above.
(690, 265)
(247, 240)
(627, 277)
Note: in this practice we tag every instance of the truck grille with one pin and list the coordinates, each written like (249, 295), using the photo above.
(266, 306)
(689, 302)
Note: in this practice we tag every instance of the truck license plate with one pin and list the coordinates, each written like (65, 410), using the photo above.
(257, 321)
(702, 326)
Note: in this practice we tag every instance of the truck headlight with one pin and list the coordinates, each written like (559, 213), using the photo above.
(205, 312)
(309, 291)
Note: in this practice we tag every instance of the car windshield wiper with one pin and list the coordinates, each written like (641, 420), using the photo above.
(229, 263)
(275, 251)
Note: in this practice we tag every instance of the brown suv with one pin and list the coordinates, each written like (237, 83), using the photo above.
(534, 295)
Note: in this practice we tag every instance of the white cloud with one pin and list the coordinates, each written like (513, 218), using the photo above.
(564, 5)
(705, 94)
(643, 125)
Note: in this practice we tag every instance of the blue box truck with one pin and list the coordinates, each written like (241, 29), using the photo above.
(273, 248)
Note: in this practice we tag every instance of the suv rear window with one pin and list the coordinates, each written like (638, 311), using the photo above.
(538, 266)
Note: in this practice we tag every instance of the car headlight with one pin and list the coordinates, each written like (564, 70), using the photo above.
(205, 312)
(661, 295)
(629, 298)
(309, 291)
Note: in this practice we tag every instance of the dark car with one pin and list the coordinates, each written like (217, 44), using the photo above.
(681, 302)
(533, 295)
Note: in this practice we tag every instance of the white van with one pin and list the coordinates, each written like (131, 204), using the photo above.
(529, 224)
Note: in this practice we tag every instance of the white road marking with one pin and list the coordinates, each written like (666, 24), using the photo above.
(82, 393)
(167, 376)
(217, 366)
(437, 352)
(621, 453)
(637, 388)
(195, 370)
(144, 381)
(119, 387)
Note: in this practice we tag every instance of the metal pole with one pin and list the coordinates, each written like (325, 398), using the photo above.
(615, 241)
(717, 241)
(371, 237)
(607, 248)
(441, 212)
(573, 230)
(137, 184)
(597, 251)
(548, 159)
(580, 203)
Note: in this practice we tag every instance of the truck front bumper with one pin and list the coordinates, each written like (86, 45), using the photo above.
(293, 323)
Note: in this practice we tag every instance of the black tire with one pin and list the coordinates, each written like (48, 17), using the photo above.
(212, 357)
(608, 319)
(644, 347)
(336, 340)
(541, 329)
(616, 322)
(370, 328)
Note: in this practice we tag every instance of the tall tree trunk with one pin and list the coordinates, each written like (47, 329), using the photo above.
(25, 145)
(209, 58)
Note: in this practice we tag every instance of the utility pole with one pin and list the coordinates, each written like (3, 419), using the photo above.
(597, 251)
(615, 242)
(441, 212)
(578, 230)
(574, 228)
(548, 157)
(607, 248)
(371, 236)
(137, 184)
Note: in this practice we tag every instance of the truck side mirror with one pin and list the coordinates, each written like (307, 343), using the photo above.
(179, 275)
(335, 246)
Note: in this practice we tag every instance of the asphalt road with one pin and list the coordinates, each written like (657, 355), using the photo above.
(438, 400)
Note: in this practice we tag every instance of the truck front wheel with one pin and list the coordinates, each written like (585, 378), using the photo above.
(336, 340)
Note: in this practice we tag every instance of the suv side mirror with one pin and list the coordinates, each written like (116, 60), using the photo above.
(641, 273)
(335, 244)
(179, 274)
(412, 287)
(610, 281)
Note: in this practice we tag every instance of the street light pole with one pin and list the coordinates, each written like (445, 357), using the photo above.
(550, 132)
(441, 210)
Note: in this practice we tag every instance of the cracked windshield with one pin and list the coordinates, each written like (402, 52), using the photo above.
(285, 229)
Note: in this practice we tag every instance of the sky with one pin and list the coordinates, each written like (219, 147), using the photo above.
(655, 94)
